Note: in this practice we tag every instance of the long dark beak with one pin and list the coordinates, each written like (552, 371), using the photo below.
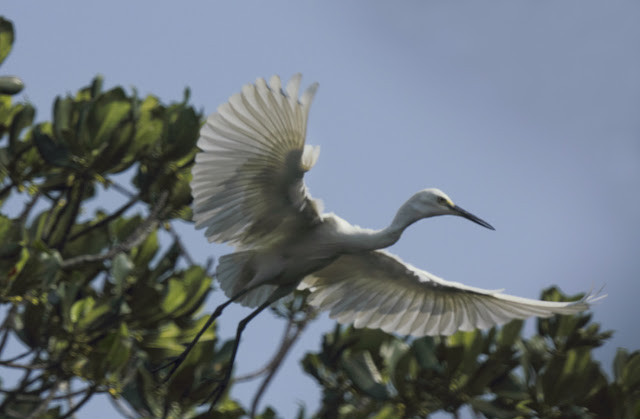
(459, 211)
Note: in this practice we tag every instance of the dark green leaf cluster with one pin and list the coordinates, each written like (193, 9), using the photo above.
(498, 373)
(97, 300)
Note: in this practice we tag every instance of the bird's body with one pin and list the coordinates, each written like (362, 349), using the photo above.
(287, 262)
(249, 192)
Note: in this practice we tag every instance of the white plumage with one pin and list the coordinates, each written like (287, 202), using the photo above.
(248, 191)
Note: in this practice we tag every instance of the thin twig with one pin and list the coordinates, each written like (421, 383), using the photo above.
(183, 249)
(13, 414)
(28, 207)
(42, 406)
(252, 375)
(81, 403)
(6, 325)
(187, 163)
(121, 189)
(136, 238)
(107, 219)
(69, 396)
(24, 383)
(286, 346)
(19, 357)
(72, 394)
(22, 366)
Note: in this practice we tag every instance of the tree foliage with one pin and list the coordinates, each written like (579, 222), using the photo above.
(98, 299)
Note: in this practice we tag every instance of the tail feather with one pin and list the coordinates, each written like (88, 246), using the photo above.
(234, 272)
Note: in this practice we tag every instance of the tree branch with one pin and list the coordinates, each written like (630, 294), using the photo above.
(23, 366)
(183, 249)
(24, 383)
(7, 188)
(122, 189)
(290, 337)
(42, 406)
(81, 403)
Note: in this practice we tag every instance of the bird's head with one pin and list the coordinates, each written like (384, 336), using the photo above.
(431, 202)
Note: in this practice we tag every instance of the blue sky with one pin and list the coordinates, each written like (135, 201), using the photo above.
(525, 113)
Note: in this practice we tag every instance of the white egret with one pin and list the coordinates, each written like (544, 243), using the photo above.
(249, 192)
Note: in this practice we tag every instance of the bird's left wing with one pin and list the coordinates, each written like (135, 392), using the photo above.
(247, 181)
(378, 291)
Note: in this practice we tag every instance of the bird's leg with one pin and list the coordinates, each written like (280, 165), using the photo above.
(175, 363)
(217, 393)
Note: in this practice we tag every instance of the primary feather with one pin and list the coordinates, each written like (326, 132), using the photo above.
(377, 290)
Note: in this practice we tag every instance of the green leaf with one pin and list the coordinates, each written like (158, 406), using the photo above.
(492, 370)
(120, 270)
(93, 241)
(509, 333)
(472, 343)
(37, 273)
(143, 254)
(52, 152)
(425, 352)
(22, 119)
(392, 352)
(10, 85)
(183, 132)
(109, 355)
(96, 86)
(388, 411)
(149, 125)
(622, 356)
(122, 228)
(570, 376)
(86, 311)
(6, 38)
(63, 125)
(104, 116)
(631, 374)
(81, 308)
(490, 409)
(176, 295)
(364, 374)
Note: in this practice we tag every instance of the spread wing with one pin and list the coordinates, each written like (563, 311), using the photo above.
(247, 180)
(378, 291)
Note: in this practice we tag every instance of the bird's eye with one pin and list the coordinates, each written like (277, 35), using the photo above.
(441, 200)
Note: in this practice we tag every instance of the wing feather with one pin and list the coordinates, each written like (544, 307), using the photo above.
(247, 182)
(377, 290)
(388, 304)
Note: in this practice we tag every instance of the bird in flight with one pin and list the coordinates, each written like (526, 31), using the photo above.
(249, 192)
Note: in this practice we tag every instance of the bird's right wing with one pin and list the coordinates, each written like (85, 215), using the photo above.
(247, 181)
(378, 291)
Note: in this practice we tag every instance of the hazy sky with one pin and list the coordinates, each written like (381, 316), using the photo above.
(526, 113)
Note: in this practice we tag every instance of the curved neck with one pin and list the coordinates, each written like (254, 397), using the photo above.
(379, 239)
